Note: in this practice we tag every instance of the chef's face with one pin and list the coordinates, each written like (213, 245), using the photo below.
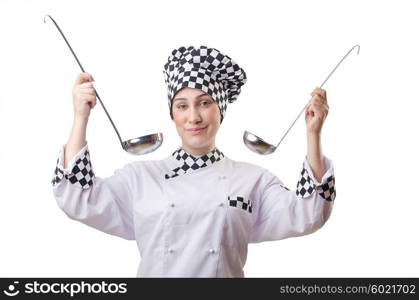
(197, 119)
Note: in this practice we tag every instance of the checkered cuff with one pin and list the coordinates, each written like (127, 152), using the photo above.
(79, 170)
(307, 183)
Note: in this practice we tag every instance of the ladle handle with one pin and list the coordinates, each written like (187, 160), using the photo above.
(110, 119)
(81, 67)
(327, 78)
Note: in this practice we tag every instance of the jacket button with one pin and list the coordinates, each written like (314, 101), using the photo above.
(212, 251)
(172, 205)
(170, 250)
(221, 204)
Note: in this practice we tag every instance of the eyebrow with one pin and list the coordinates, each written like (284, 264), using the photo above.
(204, 94)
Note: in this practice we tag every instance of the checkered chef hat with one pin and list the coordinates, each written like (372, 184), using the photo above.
(207, 69)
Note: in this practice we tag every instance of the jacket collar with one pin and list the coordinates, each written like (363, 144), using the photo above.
(188, 162)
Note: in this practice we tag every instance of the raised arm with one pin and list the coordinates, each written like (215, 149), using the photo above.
(282, 213)
(316, 114)
(104, 204)
(84, 99)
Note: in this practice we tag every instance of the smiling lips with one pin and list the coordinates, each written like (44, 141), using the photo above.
(195, 131)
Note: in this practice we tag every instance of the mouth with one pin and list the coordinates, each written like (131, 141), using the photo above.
(195, 131)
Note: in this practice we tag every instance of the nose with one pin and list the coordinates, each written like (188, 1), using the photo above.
(194, 116)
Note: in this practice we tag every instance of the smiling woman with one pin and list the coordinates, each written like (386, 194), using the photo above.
(194, 212)
(197, 119)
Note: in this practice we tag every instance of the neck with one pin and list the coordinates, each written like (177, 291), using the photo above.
(198, 151)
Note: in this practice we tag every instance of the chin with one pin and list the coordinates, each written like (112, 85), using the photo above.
(197, 143)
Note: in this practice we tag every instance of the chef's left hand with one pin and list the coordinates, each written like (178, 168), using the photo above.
(316, 111)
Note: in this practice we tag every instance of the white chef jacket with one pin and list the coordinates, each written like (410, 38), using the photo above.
(186, 226)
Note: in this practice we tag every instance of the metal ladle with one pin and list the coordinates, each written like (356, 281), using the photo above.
(258, 145)
(137, 146)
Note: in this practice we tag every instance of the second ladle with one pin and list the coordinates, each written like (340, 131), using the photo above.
(137, 146)
(258, 145)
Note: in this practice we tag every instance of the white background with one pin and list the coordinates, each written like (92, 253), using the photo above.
(287, 48)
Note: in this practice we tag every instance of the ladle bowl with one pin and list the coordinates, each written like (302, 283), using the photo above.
(257, 144)
(144, 144)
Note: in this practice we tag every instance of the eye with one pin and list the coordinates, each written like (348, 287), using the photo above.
(181, 106)
(206, 102)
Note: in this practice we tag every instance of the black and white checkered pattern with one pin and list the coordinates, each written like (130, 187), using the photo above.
(189, 162)
(58, 174)
(306, 186)
(207, 69)
(327, 190)
(81, 174)
(240, 202)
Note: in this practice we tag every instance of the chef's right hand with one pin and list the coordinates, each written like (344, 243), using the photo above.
(84, 96)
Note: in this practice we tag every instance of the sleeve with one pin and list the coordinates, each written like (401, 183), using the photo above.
(104, 204)
(282, 213)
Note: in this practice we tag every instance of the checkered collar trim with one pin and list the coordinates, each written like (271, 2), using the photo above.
(188, 162)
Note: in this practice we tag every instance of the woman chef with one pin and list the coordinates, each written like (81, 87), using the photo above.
(194, 212)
